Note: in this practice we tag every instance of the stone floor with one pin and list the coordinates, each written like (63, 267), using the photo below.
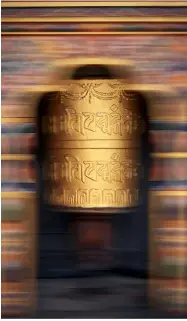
(109, 297)
(99, 297)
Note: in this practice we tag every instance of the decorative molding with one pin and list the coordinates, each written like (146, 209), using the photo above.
(18, 194)
(108, 25)
(174, 193)
(15, 157)
(109, 33)
(92, 12)
(17, 120)
(169, 155)
(95, 19)
(43, 25)
(28, 4)
(169, 118)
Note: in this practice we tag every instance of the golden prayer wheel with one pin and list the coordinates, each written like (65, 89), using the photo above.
(92, 135)
(93, 130)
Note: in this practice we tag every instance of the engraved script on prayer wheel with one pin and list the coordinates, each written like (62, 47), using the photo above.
(92, 131)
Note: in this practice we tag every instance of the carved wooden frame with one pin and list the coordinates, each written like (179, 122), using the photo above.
(29, 201)
(94, 20)
(110, 23)
(10, 4)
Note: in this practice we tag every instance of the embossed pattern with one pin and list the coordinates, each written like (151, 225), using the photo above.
(95, 176)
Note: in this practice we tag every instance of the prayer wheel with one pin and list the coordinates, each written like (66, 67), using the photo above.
(92, 135)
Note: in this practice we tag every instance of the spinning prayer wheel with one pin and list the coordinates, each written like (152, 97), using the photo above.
(92, 137)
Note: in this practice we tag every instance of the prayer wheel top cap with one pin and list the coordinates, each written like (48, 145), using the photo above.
(92, 71)
(117, 68)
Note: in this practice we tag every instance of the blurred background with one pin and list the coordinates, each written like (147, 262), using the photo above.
(41, 275)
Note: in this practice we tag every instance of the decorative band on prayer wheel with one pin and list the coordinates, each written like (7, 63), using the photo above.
(92, 129)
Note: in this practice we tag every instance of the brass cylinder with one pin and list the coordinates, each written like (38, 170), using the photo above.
(92, 131)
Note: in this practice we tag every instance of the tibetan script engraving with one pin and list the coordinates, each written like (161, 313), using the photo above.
(113, 123)
(94, 197)
(92, 131)
(71, 168)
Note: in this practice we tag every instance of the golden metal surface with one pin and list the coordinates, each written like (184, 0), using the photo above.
(93, 129)
(92, 110)
(14, 4)
(93, 177)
